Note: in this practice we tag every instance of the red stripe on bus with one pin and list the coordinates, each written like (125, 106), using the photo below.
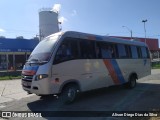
(111, 71)
(28, 72)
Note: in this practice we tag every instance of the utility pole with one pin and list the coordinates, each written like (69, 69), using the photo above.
(129, 31)
(144, 21)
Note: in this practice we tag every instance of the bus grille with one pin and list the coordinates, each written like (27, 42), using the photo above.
(27, 81)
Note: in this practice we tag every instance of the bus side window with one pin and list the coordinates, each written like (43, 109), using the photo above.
(114, 51)
(107, 50)
(144, 52)
(87, 49)
(68, 50)
(121, 51)
(134, 52)
(128, 51)
(98, 51)
(139, 52)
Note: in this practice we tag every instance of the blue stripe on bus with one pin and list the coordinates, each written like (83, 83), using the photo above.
(35, 68)
(112, 71)
(118, 71)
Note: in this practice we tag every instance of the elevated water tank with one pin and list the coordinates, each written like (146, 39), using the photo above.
(48, 22)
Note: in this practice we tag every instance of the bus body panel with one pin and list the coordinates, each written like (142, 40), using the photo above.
(137, 66)
(91, 74)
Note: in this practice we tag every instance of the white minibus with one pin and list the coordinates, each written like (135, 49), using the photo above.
(66, 63)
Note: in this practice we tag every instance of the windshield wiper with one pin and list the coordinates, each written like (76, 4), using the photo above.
(37, 61)
(44, 61)
(30, 60)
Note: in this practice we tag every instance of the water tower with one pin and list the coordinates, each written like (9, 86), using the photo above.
(48, 22)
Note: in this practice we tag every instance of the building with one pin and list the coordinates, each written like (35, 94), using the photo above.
(14, 52)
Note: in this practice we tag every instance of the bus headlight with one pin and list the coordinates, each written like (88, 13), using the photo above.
(41, 76)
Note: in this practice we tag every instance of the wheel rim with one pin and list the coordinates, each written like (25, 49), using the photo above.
(71, 94)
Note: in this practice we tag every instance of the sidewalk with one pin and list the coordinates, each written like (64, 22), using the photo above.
(11, 90)
(155, 71)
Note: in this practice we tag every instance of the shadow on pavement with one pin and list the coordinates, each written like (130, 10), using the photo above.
(145, 97)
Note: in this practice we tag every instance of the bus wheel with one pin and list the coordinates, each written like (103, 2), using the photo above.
(69, 94)
(132, 82)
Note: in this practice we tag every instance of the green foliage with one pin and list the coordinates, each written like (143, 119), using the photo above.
(156, 66)
(10, 77)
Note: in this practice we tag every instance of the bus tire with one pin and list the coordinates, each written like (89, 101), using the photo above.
(132, 82)
(69, 94)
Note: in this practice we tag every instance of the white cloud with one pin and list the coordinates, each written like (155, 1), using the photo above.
(56, 8)
(2, 30)
(74, 13)
(62, 19)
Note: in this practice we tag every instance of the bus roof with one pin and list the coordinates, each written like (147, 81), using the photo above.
(88, 36)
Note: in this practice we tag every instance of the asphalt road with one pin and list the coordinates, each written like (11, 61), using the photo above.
(145, 97)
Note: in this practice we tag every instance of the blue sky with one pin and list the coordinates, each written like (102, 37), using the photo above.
(103, 17)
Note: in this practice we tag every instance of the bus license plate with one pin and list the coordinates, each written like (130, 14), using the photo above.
(26, 83)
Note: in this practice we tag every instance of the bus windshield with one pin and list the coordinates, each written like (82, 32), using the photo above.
(42, 52)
